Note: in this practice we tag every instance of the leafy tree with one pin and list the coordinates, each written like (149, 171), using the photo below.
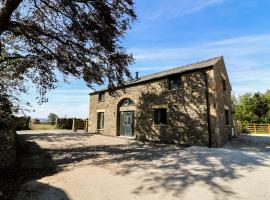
(267, 96)
(252, 108)
(259, 106)
(11, 84)
(52, 118)
(35, 121)
(40, 38)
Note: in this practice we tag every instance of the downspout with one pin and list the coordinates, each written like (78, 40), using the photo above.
(208, 110)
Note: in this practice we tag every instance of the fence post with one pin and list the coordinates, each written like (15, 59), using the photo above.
(269, 128)
(86, 125)
(74, 125)
(255, 128)
(56, 122)
(28, 121)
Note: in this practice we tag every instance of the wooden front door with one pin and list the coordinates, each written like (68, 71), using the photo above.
(126, 123)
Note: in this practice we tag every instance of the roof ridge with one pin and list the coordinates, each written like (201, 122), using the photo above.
(198, 62)
(171, 71)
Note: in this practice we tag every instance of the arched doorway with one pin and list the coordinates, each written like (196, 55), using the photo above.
(126, 108)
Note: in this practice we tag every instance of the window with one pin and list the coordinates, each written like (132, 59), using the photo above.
(101, 96)
(227, 117)
(100, 122)
(224, 85)
(160, 116)
(174, 82)
(127, 102)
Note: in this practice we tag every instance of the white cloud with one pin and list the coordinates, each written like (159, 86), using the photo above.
(247, 59)
(175, 8)
(199, 5)
(76, 91)
(63, 102)
(62, 110)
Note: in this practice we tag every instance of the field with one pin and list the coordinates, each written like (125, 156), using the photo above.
(42, 126)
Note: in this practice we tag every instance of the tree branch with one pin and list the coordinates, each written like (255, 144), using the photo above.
(6, 11)
(11, 58)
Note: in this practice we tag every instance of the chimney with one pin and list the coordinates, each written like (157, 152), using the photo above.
(137, 75)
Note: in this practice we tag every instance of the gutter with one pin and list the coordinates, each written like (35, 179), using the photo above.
(208, 110)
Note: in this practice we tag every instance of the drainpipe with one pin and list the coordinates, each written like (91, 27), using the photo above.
(208, 110)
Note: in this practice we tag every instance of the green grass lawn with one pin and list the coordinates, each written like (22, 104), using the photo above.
(42, 127)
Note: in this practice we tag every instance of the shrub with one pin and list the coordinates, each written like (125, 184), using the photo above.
(21, 123)
(64, 123)
(35, 121)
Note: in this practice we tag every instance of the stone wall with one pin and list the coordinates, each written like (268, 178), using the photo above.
(187, 110)
(223, 101)
(8, 144)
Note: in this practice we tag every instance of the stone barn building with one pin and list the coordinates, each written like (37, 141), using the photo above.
(189, 105)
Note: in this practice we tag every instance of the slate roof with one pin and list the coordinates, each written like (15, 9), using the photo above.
(177, 70)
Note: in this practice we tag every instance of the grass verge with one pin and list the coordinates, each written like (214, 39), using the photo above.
(42, 127)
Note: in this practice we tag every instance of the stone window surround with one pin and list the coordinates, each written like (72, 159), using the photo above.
(224, 80)
(159, 106)
(171, 78)
(99, 111)
(101, 97)
(226, 108)
(127, 108)
(100, 129)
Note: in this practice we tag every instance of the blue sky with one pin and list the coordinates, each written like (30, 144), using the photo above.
(171, 33)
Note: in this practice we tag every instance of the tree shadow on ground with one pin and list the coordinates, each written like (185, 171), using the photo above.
(167, 167)
(174, 170)
(58, 137)
(33, 163)
(37, 188)
(257, 143)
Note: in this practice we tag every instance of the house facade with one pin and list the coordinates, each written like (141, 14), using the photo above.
(189, 105)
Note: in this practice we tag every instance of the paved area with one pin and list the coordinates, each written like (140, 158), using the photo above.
(101, 167)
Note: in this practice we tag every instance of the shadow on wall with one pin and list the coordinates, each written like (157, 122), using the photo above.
(41, 191)
(186, 113)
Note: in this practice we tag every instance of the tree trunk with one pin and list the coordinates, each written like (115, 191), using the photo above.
(6, 11)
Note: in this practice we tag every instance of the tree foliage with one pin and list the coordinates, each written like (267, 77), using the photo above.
(253, 108)
(11, 84)
(40, 38)
(52, 118)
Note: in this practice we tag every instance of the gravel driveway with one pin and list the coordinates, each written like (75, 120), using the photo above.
(100, 167)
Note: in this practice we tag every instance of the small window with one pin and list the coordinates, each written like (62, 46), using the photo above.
(101, 96)
(160, 116)
(174, 82)
(127, 102)
(100, 122)
(224, 85)
(227, 117)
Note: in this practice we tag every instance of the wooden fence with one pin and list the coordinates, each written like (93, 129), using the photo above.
(257, 128)
(80, 124)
